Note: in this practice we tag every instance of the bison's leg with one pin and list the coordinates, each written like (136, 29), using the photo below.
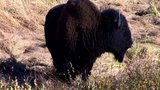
(64, 66)
(58, 62)
(88, 64)
(73, 64)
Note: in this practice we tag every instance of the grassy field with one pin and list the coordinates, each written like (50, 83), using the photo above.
(25, 63)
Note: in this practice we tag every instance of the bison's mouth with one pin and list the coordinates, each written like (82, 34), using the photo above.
(119, 56)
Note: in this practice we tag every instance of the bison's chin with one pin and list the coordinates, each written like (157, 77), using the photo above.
(119, 56)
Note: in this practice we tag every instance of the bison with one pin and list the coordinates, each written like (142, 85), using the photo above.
(77, 33)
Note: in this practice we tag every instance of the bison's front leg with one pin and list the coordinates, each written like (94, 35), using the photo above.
(88, 64)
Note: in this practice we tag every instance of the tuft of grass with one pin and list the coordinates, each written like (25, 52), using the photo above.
(138, 75)
(134, 51)
(154, 10)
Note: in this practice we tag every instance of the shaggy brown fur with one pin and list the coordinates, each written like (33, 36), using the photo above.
(78, 16)
(77, 33)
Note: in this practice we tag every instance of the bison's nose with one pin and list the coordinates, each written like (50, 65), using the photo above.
(119, 56)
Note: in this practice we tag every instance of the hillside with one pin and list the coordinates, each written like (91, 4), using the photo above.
(23, 49)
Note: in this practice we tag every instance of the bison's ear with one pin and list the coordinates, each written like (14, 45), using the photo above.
(117, 19)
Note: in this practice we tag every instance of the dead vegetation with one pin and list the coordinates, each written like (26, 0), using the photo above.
(25, 62)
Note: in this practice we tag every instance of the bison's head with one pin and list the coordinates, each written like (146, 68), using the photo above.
(114, 34)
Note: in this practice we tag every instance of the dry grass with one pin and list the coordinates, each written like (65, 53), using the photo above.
(22, 49)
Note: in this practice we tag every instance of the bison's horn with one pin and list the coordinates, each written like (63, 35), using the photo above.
(119, 19)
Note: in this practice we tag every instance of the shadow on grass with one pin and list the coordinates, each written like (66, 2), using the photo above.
(11, 70)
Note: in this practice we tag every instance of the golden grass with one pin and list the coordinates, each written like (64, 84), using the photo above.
(28, 14)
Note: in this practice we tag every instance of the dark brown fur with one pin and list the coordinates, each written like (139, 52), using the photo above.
(77, 33)
(74, 34)
(78, 16)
